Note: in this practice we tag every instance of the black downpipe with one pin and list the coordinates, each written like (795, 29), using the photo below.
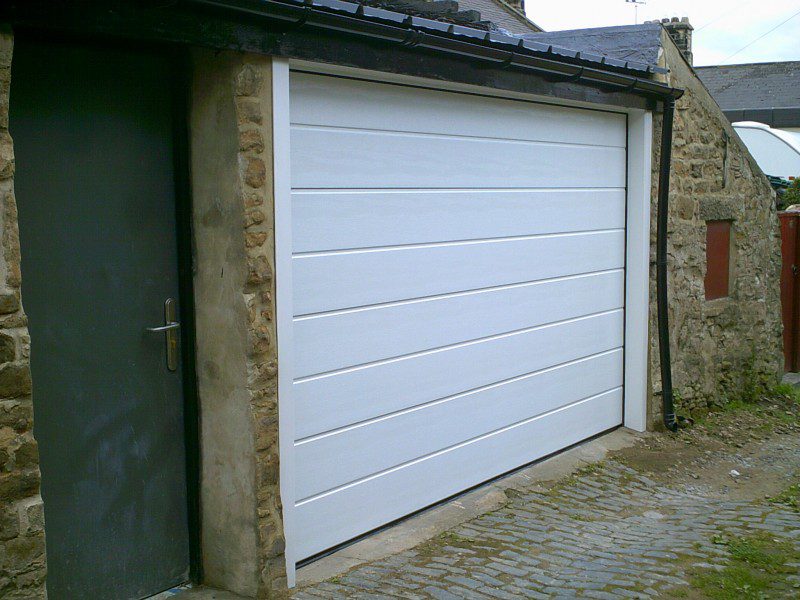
(670, 420)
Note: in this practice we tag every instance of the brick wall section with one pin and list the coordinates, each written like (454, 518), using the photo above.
(254, 116)
(722, 346)
(22, 551)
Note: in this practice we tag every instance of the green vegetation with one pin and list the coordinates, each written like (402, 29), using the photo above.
(762, 552)
(584, 518)
(756, 407)
(790, 497)
(787, 390)
(733, 583)
(589, 469)
(790, 195)
(758, 568)
(453, 539)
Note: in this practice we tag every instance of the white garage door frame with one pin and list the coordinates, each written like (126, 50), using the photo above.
(637, 253)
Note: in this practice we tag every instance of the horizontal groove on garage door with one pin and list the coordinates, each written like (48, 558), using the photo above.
(370, 473)
(338, 459)
(349, 103)
(436, 297)
(397, 161)
(505, 382)
(451, 136)
(326, 403)
(364, 278)
(388, 497)
(347, 219)
(469, 242)
(338, 341)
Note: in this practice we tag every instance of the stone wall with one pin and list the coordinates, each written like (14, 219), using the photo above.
(722, 347)
(22, 548)
(231, 135)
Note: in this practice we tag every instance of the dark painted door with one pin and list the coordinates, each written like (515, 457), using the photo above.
(93, 133)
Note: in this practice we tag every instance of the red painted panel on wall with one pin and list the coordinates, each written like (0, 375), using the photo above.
(790, 224)
(718, 259)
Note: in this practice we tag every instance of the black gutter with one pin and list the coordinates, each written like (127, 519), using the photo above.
(499, 50)
(670, 421)
(784, 116)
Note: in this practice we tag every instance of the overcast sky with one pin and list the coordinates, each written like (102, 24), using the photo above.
(722, 27)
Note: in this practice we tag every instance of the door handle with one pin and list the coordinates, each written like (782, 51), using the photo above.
(167, 327)
(170, 331)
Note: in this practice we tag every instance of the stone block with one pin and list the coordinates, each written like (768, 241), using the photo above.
(254, 239)
(15, 380)
(254, 217)
(684, 207)
(259, 271)
(18, 485)
(7, 348)
(16, 414)
(248, 81)
(718, 208)
(32, 516)
(249, 111)
(6, 45)
(255, 173)
(251, 140)
(22, 553)
(26, 456)
(9, 523)
(6, 156)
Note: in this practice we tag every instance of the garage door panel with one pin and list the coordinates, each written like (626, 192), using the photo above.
(392, 495)
(338, 340)
(367, 105)
(369, 159)
(332, 401)
(337, 280)
(458, 285)
(338, 220)
(348, 455)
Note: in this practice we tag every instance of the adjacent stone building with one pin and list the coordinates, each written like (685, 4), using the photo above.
(728, 347)
(236, 257)
(721, 347)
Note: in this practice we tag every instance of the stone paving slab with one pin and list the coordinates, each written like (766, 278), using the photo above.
(607, 532)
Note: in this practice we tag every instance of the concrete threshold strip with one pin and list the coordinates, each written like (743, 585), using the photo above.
(432, 522)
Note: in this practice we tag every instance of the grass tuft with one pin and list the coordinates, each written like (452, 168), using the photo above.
(736, 582)
(759, 566)
(790, 497)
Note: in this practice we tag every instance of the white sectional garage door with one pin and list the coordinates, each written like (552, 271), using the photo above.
(458, 288)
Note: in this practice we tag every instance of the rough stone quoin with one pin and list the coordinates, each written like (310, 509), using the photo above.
(22, 545)
(255, 160)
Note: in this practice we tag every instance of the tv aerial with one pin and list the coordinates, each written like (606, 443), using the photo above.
(636, 4)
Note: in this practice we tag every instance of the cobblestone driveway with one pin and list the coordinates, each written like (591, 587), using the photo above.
(607, 532)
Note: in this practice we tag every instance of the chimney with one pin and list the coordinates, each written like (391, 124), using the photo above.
(518, 4)
(681, 33)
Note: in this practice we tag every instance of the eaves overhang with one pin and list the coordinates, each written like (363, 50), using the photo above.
(489, 48)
